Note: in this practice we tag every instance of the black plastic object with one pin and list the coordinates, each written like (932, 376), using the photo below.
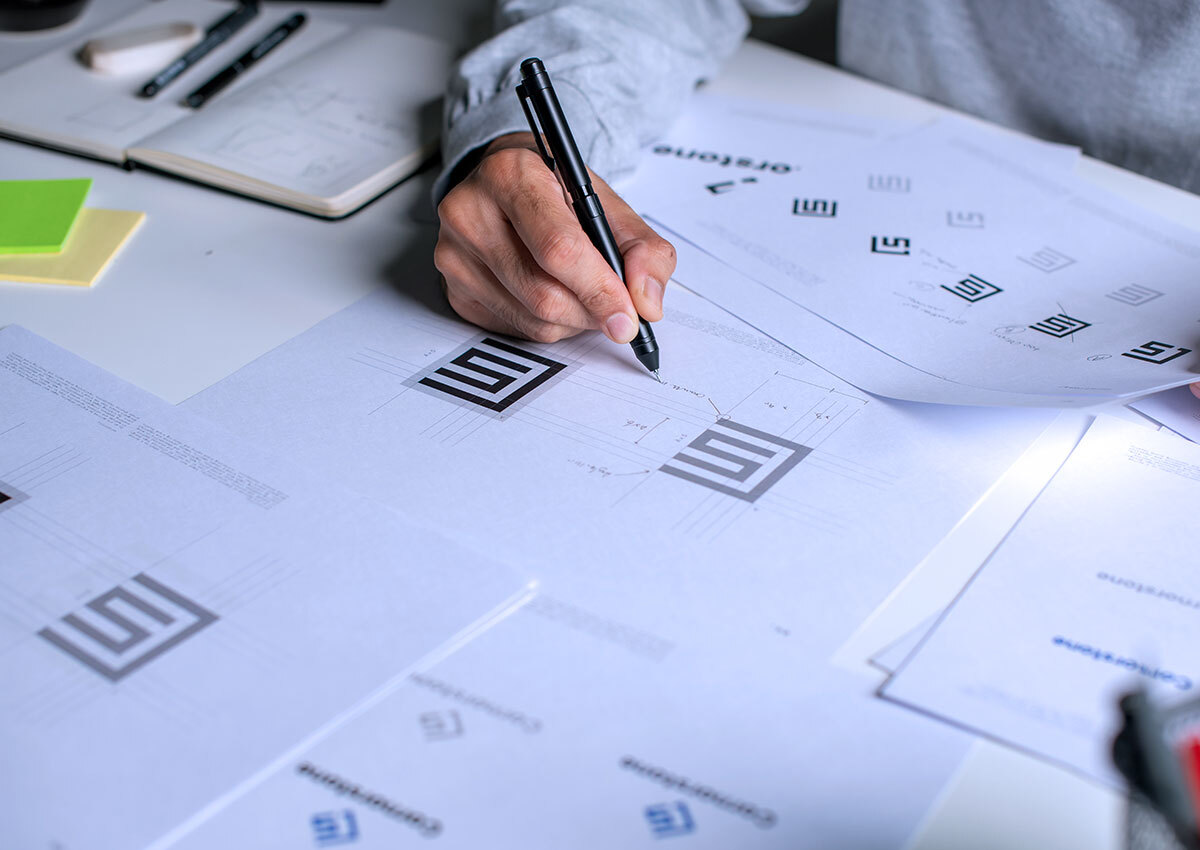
(28, 15)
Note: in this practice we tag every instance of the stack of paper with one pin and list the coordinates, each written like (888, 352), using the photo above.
(46, 236)
(704, 547)
(1177, 409)
(951, 262)
(751, 490)
(237, 641)
(181, 612)
(948, 263)
(1092, 595)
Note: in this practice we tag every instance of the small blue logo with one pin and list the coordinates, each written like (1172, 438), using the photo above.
(670, 819)
(332, 828)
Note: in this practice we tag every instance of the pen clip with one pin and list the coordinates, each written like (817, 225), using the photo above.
(534, 127)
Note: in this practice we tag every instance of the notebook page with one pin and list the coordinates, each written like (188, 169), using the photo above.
(345, 121)
(54, 99)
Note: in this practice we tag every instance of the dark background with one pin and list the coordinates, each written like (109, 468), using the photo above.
(813, 32)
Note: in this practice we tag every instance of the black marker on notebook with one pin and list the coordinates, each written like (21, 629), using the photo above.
(223, 78)
(214, 36)
(542, 108)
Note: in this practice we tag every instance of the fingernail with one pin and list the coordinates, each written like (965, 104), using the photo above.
(654, 290)
(620, 328)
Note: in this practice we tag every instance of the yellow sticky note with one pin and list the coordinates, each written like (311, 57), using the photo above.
(95, 239)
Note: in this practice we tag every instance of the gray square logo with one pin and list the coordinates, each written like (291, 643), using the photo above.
(1047, 259)
(125, 628)
(897, 183)
(736, 459)
(1135, 295)
(965, 218)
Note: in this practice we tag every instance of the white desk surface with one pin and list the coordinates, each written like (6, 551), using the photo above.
(212, 281)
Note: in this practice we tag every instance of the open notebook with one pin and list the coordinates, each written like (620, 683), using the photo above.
(331, 119)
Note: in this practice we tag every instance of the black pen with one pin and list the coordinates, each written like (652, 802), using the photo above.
(542, 108)
(217, 34)
(223, 78)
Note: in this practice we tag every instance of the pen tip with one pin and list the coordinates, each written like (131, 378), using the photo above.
(657, 377)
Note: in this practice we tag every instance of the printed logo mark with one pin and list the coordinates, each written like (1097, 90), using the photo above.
(888, 183)
(1060, 325)
(973, 288)
(1134, 294)
(129, 626)
(1156, 352)
(491, 374)
(332, 828)
(814, 207)
(890, 245)
(667, 820)
(726, 185)
(1047, 259)
(10, 496)
(964, 218)
(441, 725)
(735, 459)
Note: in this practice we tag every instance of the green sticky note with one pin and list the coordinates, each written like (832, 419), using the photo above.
(36, 215)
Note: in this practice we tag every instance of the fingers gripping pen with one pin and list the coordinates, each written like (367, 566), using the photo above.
(546, 118)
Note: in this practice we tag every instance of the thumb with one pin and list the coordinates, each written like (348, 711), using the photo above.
(649, 259)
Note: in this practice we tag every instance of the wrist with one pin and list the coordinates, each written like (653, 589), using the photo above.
(468, 163)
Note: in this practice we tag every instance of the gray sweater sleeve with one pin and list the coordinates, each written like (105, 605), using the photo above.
(622, 70)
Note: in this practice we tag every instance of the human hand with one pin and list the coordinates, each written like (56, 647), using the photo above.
(1196, 389)
(515, 259)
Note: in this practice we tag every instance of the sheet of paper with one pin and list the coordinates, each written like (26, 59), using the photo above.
(94, 241)
(56, 100)
(1094, 593)
(978, 274)
(36, 216)
(892, 656)
(721, 145)
(1177, 409)
(911, 608)
(181, 612)
(560, 729)
(866, 367)
(752, 492)
(724, 144)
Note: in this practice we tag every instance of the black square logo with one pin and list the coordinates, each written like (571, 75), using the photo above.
(10, 496)
(1156, 352)
(899, 245)
(1060, 325)
(814, 208)
(490, 374)
(972, 288)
